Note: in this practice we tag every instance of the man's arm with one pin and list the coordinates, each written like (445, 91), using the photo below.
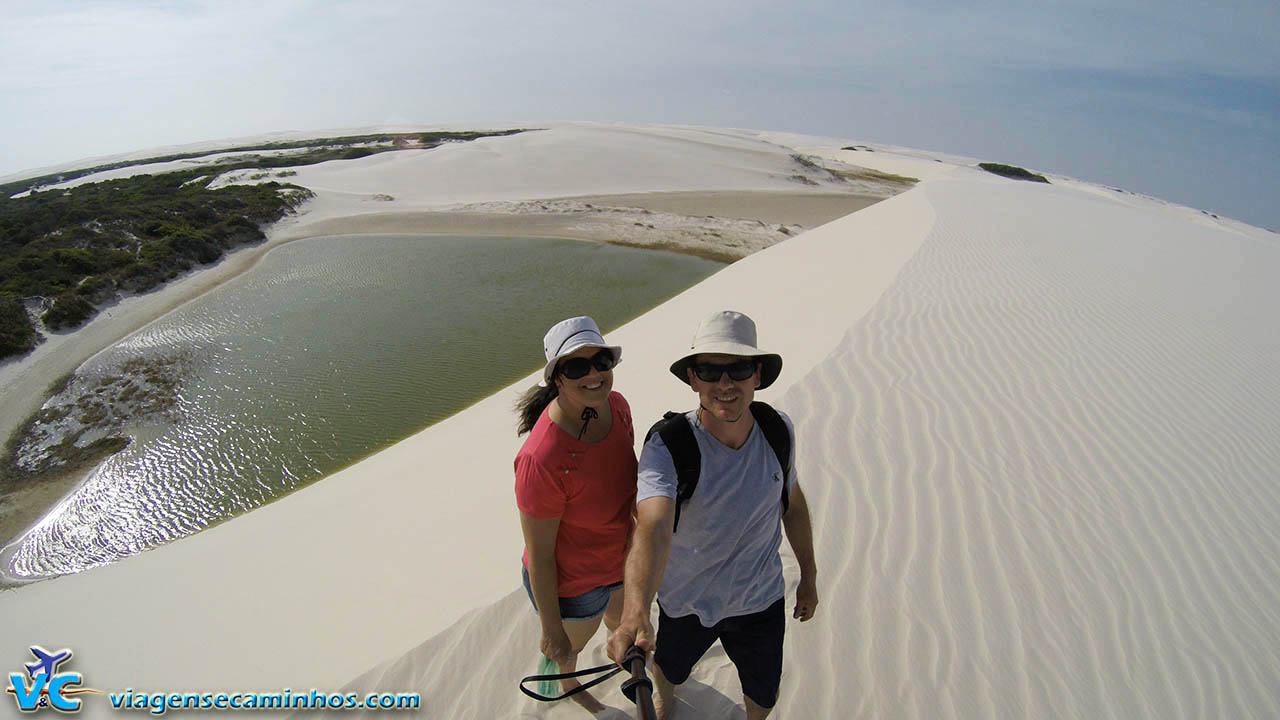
(800, 534)
(650, 546)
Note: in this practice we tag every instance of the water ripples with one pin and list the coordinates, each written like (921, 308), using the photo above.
(327, 351)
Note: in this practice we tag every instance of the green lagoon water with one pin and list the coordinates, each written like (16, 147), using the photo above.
(327, 351)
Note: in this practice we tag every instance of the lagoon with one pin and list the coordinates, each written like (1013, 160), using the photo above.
(328, 351)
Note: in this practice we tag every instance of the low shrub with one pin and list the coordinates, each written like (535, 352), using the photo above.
(195, 246)
(808, 162)
(874, 175)
(1012, 171)
(69, 310)
(16, 333)
(96, 289)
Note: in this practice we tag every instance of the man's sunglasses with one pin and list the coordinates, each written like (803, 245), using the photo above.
(576, 368)
(741, 370)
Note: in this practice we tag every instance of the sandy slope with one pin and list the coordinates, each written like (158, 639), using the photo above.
(1037, 425)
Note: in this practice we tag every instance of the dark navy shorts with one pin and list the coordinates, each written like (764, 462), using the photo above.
(587, 606)
(753, 642)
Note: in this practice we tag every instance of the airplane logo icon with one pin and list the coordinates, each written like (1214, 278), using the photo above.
(47, 662)
(48, 687)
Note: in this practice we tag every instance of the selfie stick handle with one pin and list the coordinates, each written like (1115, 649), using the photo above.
(639, 689)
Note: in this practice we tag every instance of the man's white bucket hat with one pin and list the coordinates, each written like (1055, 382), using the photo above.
(567, 336)
(729, 333)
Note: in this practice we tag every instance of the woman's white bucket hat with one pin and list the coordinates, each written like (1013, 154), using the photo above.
(566, 337)
(729, 333)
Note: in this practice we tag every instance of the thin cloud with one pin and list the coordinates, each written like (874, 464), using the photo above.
(91, 78)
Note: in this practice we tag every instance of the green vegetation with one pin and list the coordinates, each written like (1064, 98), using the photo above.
(16, 333)
(869, 174)
(68, 311)
(80, 247)
(814, 165)
(70, 459)
(808, 162)
(52, 440)
(1012, 171)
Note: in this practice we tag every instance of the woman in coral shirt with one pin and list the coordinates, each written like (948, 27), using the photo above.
(576, 490)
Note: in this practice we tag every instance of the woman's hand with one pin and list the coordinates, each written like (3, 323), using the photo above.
(555, 645)
(540, 541)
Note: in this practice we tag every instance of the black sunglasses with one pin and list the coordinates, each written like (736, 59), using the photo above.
(740, 370)
(575, 368)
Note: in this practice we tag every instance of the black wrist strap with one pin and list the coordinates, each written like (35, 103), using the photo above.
(611, 668)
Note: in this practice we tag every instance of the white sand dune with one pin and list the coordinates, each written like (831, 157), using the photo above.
(1037, 425)
(1042, 469)
(568, 160)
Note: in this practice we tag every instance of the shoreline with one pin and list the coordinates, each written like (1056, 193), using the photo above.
(727, 218)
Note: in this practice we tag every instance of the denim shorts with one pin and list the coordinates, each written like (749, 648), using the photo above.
(587, 606)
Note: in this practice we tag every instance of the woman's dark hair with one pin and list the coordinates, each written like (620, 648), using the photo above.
(530, 405)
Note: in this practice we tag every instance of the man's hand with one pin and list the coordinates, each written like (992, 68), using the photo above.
(806, 599)
(799, 529)
(555, 645)
(634, 631)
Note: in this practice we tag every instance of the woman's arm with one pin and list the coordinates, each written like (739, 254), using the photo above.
(540, 542)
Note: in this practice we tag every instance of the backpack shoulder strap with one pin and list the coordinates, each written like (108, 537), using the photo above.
(677, 435)
(775, 431)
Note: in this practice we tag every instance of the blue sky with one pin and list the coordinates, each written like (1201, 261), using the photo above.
(1179, 100)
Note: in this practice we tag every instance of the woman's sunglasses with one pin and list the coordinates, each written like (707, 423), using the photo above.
(739, 371)
(576, 368)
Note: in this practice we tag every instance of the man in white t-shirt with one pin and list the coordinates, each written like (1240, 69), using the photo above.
(712, 559)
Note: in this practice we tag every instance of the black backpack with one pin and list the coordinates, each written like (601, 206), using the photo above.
(677, 435)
